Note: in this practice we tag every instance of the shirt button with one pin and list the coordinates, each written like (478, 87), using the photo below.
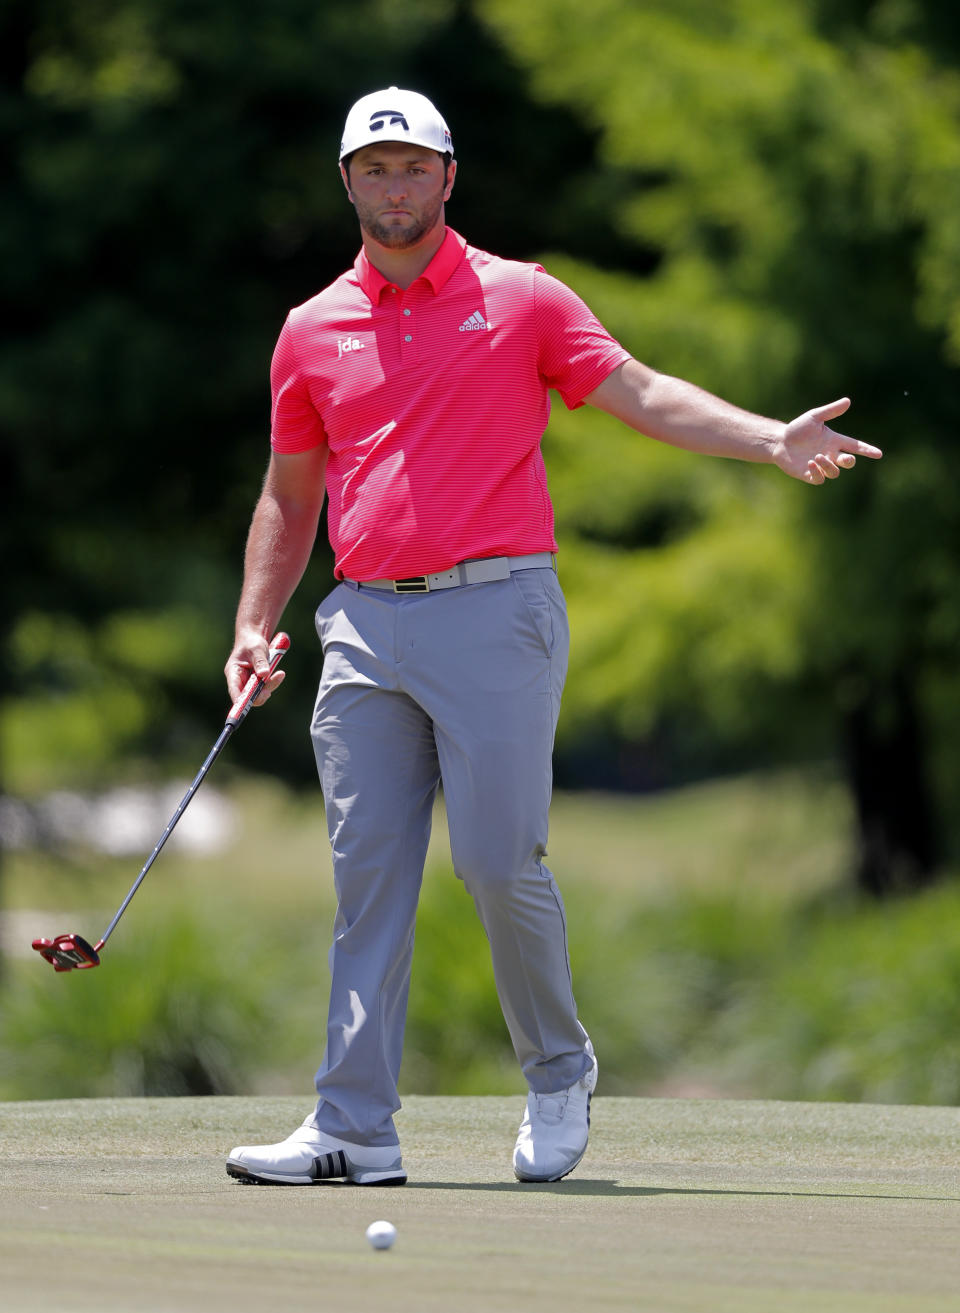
(407, 337)
(406, 312)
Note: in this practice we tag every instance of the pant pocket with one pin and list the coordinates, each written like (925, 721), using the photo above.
(529, 587)
(324, 615)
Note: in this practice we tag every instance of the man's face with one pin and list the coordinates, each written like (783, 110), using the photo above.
(398, 192)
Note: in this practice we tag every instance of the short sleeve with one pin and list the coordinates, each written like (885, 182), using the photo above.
(295, 425)
(576, 351)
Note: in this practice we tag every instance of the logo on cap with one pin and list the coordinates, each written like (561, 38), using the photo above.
(387, 116)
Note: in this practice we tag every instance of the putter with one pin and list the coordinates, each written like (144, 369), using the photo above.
(73, 952)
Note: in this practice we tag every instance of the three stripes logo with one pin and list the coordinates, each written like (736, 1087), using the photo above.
(475, 324)
(330, 1165)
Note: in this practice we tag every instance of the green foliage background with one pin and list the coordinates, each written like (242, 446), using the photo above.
(761, 198)
(798, 177)
(713, 955)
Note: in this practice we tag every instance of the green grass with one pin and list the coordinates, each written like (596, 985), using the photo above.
(680, 1205)
(715, 946)
(786, 831)
(774, 834)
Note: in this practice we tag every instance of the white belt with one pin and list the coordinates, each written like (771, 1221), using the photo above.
(484, 571)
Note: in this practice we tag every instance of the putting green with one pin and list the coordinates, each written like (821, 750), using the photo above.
(709, 1206)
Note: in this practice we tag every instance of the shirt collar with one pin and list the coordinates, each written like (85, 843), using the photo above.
(437, 272)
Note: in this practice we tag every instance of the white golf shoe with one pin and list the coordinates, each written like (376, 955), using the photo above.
(553, 1133)
(308, 1157)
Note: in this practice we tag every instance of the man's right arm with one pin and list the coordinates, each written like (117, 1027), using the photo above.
(281, 538)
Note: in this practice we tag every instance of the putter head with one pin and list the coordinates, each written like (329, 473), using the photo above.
(68, 953)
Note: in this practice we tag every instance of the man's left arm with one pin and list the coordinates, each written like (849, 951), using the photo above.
(683, 415)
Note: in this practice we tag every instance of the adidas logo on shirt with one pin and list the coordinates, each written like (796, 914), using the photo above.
(475, 324)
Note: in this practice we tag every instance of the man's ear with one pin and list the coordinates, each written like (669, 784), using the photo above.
(346, 182)
(451, 176)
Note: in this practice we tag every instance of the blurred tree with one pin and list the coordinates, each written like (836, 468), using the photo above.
(761, 198)
(798, 168)
(171, 188)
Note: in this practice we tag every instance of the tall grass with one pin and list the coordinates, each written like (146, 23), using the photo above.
(164, 1017)
(863, 1006)
(713, 952)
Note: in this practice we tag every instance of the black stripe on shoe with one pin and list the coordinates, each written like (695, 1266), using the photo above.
(330, 1165)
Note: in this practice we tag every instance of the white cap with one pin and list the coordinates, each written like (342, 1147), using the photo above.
(395, 115)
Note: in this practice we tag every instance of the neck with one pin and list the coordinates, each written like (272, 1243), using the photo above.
(404, 267)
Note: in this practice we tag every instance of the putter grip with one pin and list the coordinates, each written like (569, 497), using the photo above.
(254, 684)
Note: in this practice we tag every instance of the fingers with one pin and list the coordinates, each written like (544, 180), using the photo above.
(823, 414)
(833, 451)
(844, 451)
(841, 454)
(839, 442)
(821, 467)
(855, 447)
(271, 686)
(237, 674)
(250, 656)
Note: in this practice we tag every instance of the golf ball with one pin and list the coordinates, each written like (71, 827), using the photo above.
(381, 1234)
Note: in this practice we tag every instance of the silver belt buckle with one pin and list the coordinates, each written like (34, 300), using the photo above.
(418, 583)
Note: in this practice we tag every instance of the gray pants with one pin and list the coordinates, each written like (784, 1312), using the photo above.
(461, 686)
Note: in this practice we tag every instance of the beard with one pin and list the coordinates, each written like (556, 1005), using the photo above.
(400, 238)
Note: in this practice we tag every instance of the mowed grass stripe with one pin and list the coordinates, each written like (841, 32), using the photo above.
(679, 1205)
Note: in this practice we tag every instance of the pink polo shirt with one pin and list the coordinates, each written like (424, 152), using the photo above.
(433, 401)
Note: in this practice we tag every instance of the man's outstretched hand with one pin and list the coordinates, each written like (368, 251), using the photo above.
(811, 451)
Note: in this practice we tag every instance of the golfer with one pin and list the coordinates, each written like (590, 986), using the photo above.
(414, 393)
